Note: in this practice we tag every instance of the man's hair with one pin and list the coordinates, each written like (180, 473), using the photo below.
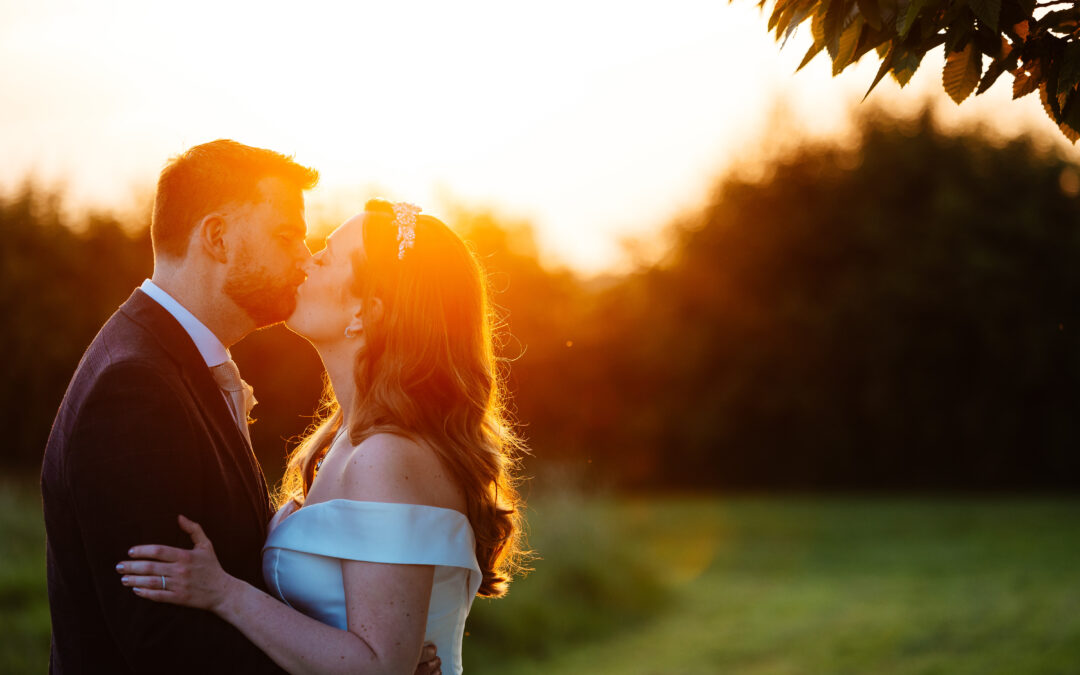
(209, 176)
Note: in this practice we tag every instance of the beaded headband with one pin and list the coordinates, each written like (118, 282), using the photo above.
(405, 217)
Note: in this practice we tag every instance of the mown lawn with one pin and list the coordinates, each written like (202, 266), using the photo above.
(742, 585)
(815, 585)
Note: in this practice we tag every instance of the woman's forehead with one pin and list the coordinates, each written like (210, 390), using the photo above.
(350, 233)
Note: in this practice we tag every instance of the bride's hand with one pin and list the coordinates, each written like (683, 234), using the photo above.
(189, 577)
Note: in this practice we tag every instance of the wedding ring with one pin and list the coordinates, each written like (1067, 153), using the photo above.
(163, 582)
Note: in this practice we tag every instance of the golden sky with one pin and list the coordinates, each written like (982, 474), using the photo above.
(593, 120)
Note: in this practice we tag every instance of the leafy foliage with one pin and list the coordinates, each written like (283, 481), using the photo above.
(60, 278)
(1038, 43)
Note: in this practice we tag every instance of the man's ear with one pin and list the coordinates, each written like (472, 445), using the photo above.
(209, 235)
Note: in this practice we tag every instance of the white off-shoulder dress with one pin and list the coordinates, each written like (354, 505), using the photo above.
(303, 553)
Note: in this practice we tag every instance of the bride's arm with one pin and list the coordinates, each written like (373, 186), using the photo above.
(386, 607)
(387, 614)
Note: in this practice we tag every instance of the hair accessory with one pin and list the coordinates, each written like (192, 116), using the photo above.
(405, 217)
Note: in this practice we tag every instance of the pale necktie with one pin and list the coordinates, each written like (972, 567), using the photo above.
(239, 393)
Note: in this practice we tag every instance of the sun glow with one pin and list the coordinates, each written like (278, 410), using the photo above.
(595, 121)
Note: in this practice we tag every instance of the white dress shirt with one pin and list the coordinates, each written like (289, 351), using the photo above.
(209, 346)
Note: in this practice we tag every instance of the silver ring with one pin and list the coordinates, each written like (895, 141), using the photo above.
(163, 582)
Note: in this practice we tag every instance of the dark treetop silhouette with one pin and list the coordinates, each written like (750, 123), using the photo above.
(899, 312)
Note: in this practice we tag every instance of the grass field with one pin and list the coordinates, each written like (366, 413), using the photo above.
(741, 585)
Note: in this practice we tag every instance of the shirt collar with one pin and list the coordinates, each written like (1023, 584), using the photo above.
(209, 346)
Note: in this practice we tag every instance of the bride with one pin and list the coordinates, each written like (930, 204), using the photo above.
(400, 506)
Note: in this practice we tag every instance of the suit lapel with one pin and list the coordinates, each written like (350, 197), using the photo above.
(217, 411)
(210, 401)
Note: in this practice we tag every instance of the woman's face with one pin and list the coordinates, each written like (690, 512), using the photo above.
(324, 302)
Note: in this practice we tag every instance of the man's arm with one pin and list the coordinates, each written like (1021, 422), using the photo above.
(133, 467)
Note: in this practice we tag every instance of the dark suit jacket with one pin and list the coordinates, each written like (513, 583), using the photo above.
(144, 434)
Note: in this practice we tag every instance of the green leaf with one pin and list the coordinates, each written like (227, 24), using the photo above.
(905, 18)
(988, 42)
(1022, 29)
(795, 18)
(870, 12)
(1025, 81)
(817, 26)
(836, 20)
(1007, 61)
(845, 51)
(987, 11)
(1069, 67)
(888, 9)
(814, 50)
(1048, 88)
(1062, 20)
(1049, 104)
(872, 39)
(1053, 112)
(783, 22)
(905, 64)
(886, 64)
(1070, 112)
(962, 72)
(778, 11)
(959, 32)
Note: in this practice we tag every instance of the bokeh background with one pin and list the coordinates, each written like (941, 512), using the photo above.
(800, 375)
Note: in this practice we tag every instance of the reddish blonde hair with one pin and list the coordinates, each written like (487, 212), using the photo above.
(207, 177)
(429, 372)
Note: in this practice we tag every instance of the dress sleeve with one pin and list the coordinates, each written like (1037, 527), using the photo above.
(408, 534)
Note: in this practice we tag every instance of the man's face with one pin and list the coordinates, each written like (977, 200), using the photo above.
(269, 252)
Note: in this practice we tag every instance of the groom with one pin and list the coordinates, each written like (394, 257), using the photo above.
(154, 421)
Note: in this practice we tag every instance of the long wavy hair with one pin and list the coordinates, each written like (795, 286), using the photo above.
(428, 372)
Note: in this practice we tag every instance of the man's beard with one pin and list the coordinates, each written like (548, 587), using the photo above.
(266, 298)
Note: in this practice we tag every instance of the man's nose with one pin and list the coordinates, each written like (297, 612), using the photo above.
(303, 257)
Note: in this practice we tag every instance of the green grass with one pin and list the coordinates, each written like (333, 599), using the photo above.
(743, 585)
(24, 604)
(812, 585)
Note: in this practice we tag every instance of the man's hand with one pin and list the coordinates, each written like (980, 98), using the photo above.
(430, 663)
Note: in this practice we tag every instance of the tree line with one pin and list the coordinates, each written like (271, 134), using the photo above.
(901, 311)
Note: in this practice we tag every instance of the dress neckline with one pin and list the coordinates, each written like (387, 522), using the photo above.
(369, 503)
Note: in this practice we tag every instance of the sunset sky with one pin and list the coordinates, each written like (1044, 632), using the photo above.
(595, 121)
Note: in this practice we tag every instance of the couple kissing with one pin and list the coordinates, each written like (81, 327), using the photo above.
(167, 552)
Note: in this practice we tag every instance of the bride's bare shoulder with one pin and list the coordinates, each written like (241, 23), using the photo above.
(390, 468)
